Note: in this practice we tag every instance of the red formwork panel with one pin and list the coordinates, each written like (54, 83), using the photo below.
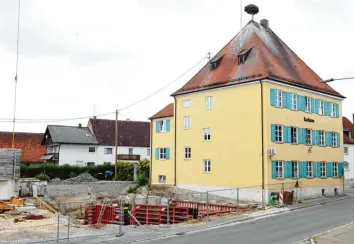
(111, 213)
(202, 207)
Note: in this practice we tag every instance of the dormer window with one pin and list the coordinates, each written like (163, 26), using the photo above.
(242, 56)
(215, 62)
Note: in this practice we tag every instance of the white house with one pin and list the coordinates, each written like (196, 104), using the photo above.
(133, 139)
(348, 129)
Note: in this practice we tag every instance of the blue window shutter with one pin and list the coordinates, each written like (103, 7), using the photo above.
(315, 171)
(338, 140)
(273, 132)
(327, 136)
(337, 110)
(318, 169)
(300, 101)
(304, 169)
(304, 136)
(284, 99)
(329, 169)
(288, 100)
(328, 106)
(272, 97)
(156, 153)
(300, 137)
(167, 125)
(340, 169)
(288, 169)
(313, 105)
(157, 127)
(273, 164)
(314, 137)
(167, 153)
(289, 134)
(317, 105)
(317, 140)
(285, 129)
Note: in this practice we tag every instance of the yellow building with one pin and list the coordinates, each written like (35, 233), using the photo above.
(254, 116)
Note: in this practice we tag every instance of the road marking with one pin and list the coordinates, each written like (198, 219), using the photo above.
(323, 233)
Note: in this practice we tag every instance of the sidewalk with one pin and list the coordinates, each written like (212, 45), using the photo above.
(342, 235)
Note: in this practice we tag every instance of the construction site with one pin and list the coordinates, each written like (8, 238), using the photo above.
(34, 211)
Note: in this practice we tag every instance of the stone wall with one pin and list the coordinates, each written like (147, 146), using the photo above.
(10, 163)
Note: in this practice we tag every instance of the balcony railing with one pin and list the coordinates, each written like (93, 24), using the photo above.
(129, 157)
(50, 156)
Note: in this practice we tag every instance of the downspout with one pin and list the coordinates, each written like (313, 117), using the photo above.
(151, 152)
(262, 143)
(175, 127)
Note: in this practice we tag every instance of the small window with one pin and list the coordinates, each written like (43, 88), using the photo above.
(346, 166)
(293, 101)
(278, 97)
(186, 103)
(130, 151)
(162, 179)
(335, 170)
(242, 57)
(279, 169)
(92, 149)
(279, 133)
(334, 139)
(162, 153)
(206, 134)
(321, 107)
(308, 136)
(162, 125)
(148, 152)
(187, 152)
(90, 164)
(308, 103)
(294, 135)
(107, 150)
(322, 170)
(309, 169)
(322, 137)
(107, 163)
(187, 122)
(333, 111)
(79, 163)
(209, 102)
(295, 173)
(207, 165)
(346, 150)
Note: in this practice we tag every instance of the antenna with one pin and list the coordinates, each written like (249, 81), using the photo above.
(241, 14)
(251, 9)
(94, 105)
(209, 56)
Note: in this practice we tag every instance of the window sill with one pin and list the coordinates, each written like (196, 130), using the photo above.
(187, 128)
(308, 177)
(187, 159)
(295, 178)
(206, 140)
(280, 178)
(294, 143)
(323, 177)
(279, 142)
(206, 172)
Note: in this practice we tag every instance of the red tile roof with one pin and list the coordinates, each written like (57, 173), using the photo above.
(130, 133)
(269, 57)
(29, 143)
(348, 125)
(168, 111)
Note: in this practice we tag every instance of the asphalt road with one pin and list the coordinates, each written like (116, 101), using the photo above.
(283, 228)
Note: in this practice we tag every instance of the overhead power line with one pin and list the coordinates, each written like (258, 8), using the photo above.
(52, 120)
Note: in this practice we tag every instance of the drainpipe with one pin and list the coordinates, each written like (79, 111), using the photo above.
(175, 141)
(151, 152)
(262, 142)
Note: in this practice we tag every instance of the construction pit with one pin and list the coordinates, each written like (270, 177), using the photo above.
(91, 211)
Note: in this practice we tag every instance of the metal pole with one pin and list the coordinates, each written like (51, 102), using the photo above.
(238, 200)
(58, 226)
(121, 218)
(168, 212)
(262, 197)
(68, 220)
(116, 142)
(208, 207)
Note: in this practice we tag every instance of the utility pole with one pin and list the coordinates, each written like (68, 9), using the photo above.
(116, 142)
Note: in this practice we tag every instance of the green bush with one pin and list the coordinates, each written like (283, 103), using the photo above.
(43, 177)
(142, 180)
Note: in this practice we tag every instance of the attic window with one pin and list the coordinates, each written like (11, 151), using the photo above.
(215, 62)
(242, 56)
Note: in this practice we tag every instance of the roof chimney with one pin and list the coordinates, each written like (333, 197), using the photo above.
(80, 126)
(265, 23)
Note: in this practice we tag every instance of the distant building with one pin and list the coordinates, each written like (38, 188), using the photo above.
(29, 143)
(133, 139)
(348, 134)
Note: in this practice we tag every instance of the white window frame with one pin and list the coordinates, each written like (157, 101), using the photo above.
(322, 137)
(309, 168)
(209, 102)
(334, 139)
(294, 101)
(186, 103)
(279, 129)
(90, 164)
(93, 151)
(106, 149)
(346, 150)
(278, 98)
(308, 105)
(295, 173)
(321, 107)
(162, 179)
(323, 170)
(294, 132)
(207, 166)
(335, 170)
(162, 153)
(279, 169)
(333, 110)
(130, 151)
(187, 122)
(206, 134)
(162, 125)
(148, 152)
(308, 136)
(187, 153)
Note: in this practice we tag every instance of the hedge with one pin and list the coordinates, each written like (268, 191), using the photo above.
(125, 170)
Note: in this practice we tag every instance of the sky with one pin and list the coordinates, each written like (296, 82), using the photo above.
(85, 57)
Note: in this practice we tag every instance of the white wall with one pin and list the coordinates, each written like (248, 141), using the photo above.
(71, 154)
(8, 189)
(349, 174)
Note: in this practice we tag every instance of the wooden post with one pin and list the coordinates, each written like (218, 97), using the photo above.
(116, 142)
